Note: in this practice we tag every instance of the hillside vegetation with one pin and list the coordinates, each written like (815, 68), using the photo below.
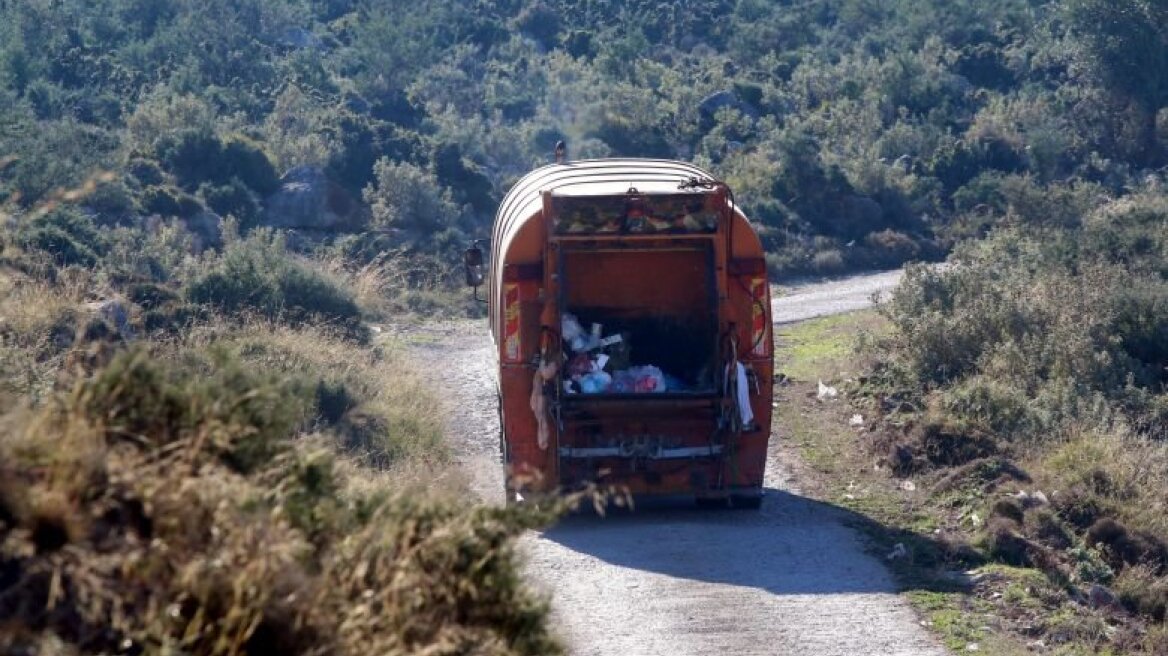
(1027, 386)
(856, 133)
(206, 446)
(230, 461)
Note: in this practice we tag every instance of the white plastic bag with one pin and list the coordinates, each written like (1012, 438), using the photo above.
(571, 331)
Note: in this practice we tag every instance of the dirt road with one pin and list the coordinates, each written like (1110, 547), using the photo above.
(789, 579)
(808, 301)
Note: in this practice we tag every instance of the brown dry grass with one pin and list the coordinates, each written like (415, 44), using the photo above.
(38, 322)
(222, 484)
(399, 285)
(149, 509)
(377, 405)
(237, 486)
(1135, 468)
(952, 517)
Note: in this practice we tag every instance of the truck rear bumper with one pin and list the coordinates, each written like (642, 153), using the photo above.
(685, 452)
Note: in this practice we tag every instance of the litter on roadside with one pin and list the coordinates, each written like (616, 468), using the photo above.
(825, 392)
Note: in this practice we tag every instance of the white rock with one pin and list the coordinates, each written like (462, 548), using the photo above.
(307, 199)
(856, 420)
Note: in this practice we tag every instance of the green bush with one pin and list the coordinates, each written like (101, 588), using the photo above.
(66, 234)
(410, 199)
(111, 202)
(1031, 332)
(232, 198)
(169, 202)
(192, 156)
(196, 156)
(245, 160)
(257, 275)
(146, 171)
(243, 417)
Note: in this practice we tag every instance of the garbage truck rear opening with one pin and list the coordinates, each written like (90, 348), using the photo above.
(629, 307)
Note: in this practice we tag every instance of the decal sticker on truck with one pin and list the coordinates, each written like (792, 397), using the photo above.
(511, 343)
(758, 334)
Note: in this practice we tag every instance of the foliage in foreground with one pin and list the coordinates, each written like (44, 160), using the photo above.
(163, 507)
(1025, 388)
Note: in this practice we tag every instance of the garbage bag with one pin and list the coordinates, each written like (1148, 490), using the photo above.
(580, 365)
(595, 383)
(570, 327)
(639, 380)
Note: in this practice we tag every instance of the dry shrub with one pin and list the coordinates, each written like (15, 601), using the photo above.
(395, 284)
(983, 474)
(1141, 590)
(1046, 527)
(949, 443)
(375, 402)
(828, 262)
(38, 325)
(1125, 547)
(1115, 474)
(30, 308)
(1005, 542)
(164, 508)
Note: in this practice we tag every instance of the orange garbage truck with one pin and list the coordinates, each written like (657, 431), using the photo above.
(630, 312)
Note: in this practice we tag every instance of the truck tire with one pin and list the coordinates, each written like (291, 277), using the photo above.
(711, 503)
(746, 501)
(502, 435)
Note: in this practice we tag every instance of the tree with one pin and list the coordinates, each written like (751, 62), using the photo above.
(409, 198)
(1127, 43)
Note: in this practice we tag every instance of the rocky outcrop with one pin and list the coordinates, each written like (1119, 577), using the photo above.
(308, 200)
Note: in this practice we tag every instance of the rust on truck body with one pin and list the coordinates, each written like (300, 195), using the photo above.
(656, 250)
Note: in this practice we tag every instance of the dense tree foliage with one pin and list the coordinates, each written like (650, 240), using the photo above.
(857, 133)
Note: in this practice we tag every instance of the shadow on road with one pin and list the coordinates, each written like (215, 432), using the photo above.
(792, 546)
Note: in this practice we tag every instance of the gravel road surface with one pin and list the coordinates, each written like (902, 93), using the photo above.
(790, 579)
(821, 299)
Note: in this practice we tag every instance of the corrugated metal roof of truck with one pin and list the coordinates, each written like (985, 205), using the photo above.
(604, 176)
(524, 201)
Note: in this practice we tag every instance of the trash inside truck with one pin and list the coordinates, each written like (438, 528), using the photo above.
(630, 312)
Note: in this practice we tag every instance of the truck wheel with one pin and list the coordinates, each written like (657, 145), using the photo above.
(746, 501)
(711, 503)
(502, 435)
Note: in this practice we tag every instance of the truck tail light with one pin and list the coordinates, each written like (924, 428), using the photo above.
(512, 344)
(760, 327)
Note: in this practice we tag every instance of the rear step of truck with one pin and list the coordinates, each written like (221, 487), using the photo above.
(653, 444)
